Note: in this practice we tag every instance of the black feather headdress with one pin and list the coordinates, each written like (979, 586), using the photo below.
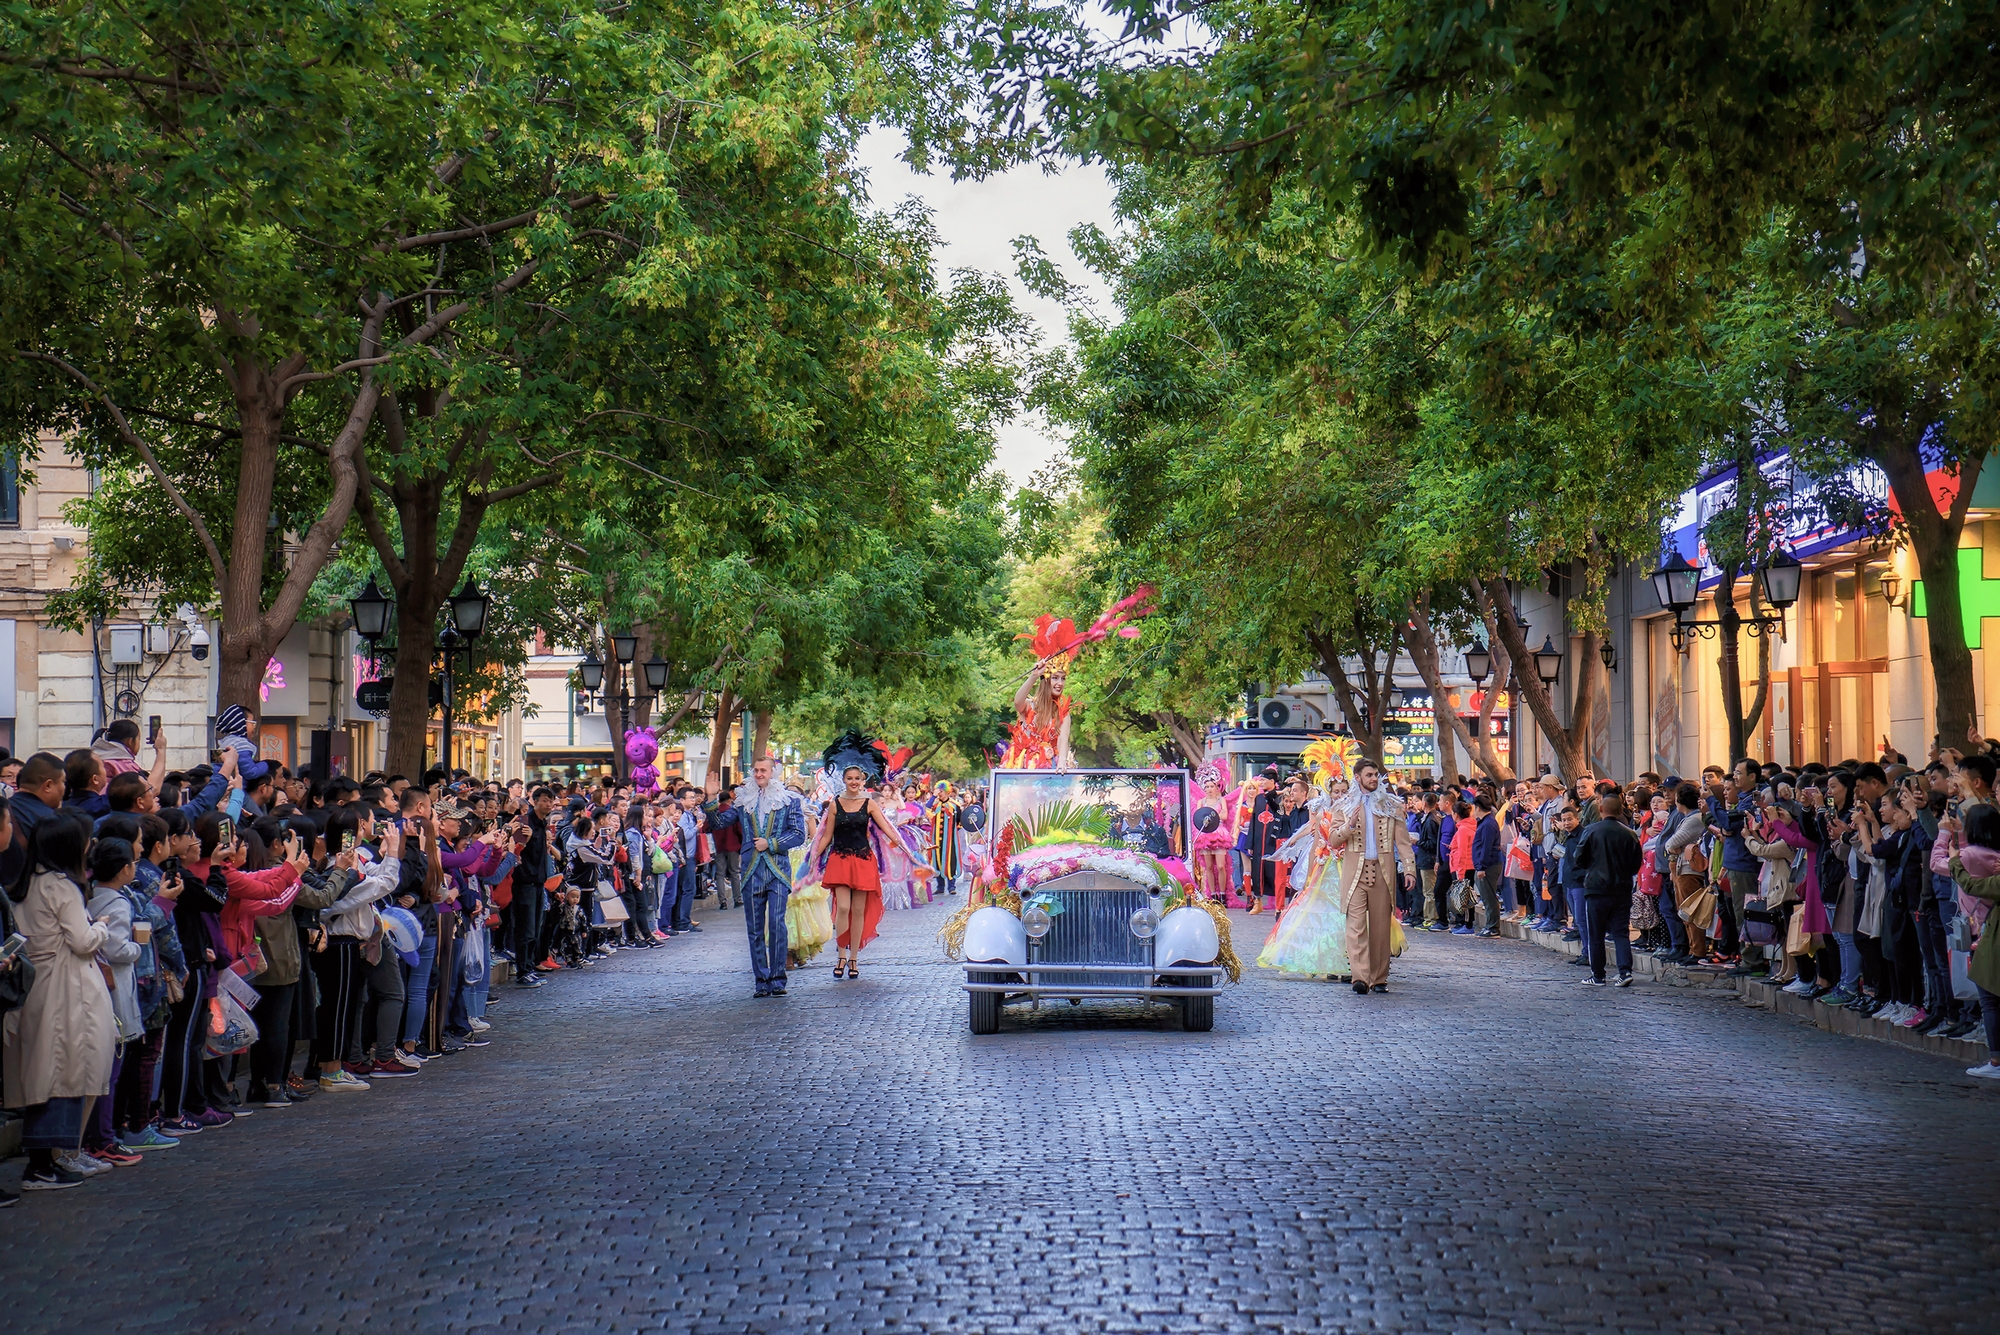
(853, 749)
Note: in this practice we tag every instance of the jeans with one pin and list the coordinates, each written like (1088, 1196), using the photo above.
(764, 916)
(468, 999)
(1235, 871)
(1670, 916)
(683, 906)
(1573, 894)
(1608, 914)
(1488, 880)
(1989, 1010)
(417, 988)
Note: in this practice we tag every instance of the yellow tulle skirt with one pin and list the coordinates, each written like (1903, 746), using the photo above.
(808, 923)
(1310, 936)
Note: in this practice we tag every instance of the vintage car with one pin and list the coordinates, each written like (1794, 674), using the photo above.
(1098, 859)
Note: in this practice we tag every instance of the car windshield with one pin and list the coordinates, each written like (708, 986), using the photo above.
(1138, 809)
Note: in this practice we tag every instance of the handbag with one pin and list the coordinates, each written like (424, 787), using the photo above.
(613, 909)
(1962, 985)
(658, 863)
(1397, 939)
(1960, 938)
(1760, 924)
(1459, 898)
(1699, 911)
(1798, 941)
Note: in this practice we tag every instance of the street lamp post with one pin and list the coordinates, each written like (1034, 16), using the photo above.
(468, 620)
(624, 648)
(1677, 584)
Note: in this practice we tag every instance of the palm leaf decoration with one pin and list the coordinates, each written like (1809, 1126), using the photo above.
(1062, 823)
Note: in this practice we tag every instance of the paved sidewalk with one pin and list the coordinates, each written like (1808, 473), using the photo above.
(1833, 1019)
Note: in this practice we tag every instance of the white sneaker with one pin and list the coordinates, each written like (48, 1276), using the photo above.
(1798, 987)
(1895, 1014)
(342, 1080)
(479, 1026)
(409, 1059)
(79, 1162)
(1990, 1071)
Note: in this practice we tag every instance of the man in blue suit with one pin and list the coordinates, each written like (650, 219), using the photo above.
(768, 814)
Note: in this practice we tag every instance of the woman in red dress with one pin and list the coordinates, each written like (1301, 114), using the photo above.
(851, 870)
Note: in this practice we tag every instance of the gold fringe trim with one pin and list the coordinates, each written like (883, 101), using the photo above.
(1225, 953)
(952, 935)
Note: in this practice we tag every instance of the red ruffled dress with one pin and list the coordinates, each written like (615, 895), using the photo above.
(851, 863)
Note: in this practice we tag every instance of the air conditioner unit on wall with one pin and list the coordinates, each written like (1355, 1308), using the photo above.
(1287, 711)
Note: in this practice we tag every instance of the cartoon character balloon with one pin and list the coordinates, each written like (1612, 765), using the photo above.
(641, 748)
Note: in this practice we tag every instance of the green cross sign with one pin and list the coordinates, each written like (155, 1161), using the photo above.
(1978, 596)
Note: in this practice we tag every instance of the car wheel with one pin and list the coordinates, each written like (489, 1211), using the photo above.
(1198, 1014)
(985, 1007)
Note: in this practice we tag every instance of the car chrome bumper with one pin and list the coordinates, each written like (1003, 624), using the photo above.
(1212, 974)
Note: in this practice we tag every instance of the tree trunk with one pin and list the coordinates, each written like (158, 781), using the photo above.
(1501, 671)
(1572, 744)
(1375, 683)
(1479, 749)
(251, 633)
(761, 743)
(1446, 723)
(410, 691)
(726, 707)
(1192, 745)
(1934, 538)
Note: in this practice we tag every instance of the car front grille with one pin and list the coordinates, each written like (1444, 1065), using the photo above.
(1095, 927)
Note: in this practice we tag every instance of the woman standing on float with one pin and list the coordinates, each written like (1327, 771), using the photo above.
(850, 870)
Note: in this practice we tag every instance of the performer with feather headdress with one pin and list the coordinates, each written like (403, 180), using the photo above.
(858, 848)
(1039, 739)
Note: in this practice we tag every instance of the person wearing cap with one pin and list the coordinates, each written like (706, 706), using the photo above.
(1267, 827)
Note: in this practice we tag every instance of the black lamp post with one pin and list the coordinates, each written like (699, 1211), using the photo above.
(1478, 662)
(1677, 583)
(466, 623)
(1548, 661)
(371, 615)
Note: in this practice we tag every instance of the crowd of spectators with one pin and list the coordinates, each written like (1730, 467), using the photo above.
(189, 947)
(1863, 885)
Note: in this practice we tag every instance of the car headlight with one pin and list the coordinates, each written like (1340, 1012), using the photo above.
(1035, 920)
(1145, 922)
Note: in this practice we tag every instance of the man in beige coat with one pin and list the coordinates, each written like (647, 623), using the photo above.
(1376, 842)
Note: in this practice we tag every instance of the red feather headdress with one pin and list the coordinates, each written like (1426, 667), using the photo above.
(1053, 636)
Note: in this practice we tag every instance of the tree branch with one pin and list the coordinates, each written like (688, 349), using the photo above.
(145, 452)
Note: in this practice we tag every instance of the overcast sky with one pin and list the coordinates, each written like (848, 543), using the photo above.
(977, 222)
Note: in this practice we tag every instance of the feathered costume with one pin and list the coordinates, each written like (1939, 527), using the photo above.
(1034, 742)
(1310, 936)
(897, 865)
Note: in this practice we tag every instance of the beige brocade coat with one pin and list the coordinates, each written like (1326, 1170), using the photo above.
(61, 1041)
(1392, 842)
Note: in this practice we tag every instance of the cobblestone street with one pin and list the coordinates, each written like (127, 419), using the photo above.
(1487, 1147)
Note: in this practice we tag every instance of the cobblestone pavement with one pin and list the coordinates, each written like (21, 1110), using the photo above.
(1486, 1147)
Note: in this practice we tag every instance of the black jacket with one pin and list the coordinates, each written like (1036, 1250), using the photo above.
(1609, 855)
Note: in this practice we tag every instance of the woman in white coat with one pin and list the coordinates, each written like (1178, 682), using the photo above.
(62, 1039)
